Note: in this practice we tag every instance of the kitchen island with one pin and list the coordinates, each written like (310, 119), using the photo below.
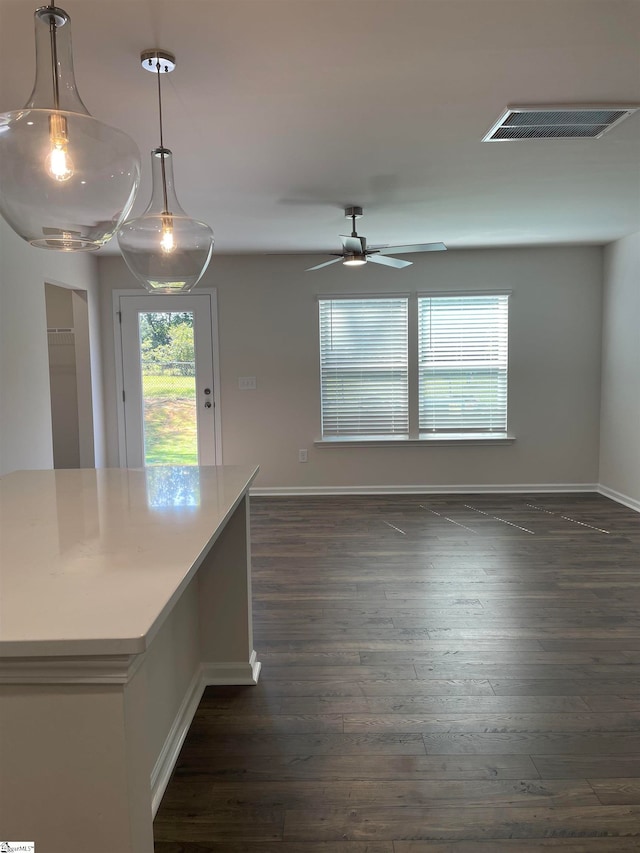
(123, 593)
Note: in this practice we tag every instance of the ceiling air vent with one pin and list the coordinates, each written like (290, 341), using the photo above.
(587, 122)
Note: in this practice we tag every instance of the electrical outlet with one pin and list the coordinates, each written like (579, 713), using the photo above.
(247, 383)
(302, 456)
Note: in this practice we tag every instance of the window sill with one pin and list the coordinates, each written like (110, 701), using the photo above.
(424, 439)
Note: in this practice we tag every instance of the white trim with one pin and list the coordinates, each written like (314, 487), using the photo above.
(117, 348)
(212, 293)
(163, 768)
(625, 500)
(217, 387)
(86, 670)
(438, 439)
(206, 674)
(232, 673)
(509, 488)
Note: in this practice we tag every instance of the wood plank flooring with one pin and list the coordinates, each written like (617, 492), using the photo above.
(441, 674)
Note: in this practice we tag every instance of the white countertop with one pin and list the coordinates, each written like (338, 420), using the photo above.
(91, 561)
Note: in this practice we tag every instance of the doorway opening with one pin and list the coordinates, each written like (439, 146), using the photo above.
(70, 377)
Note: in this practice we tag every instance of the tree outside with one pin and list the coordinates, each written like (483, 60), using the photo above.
(169, 388)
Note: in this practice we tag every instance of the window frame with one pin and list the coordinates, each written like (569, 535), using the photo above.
(414, 437)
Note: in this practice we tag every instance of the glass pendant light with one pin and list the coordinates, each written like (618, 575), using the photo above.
(164, 248)
(66, 179)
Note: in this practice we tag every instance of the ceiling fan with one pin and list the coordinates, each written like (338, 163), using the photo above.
(355, 253)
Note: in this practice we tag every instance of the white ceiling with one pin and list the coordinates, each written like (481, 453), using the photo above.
(281, 112)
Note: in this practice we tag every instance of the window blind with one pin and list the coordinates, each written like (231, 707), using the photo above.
(363, 366)
(463, 361)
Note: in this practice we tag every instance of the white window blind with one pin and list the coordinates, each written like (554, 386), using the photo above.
(463, 360)
(363, 366)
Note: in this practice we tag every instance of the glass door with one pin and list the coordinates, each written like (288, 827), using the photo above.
(168, 376)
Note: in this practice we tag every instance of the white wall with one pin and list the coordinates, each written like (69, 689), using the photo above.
(25, 405)
(268, 329)
(620, 415)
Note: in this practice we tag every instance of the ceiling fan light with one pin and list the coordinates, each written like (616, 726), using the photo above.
(355, 253)
(165, 249)
(354, 260)
(62, 171)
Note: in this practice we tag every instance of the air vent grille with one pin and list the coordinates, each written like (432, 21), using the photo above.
(518, 123)
(552, 132)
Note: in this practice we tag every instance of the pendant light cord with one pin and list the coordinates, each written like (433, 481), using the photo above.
(54, 56)
(162, 165)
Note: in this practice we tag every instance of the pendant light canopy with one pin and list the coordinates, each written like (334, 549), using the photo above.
(66, 179)
(165, 249)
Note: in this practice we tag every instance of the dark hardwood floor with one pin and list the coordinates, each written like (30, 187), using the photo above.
(441, 674)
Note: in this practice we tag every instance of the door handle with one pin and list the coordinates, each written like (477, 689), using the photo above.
(207, 405)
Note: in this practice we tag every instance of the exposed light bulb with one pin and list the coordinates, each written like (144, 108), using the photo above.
(167, 243)
(67, 244)
(58, 163)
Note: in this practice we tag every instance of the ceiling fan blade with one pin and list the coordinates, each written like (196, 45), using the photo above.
(325, 264)
(389, 262)
(417, 247)
(354, 245)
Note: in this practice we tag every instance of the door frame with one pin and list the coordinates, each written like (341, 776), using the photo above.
(212, 293)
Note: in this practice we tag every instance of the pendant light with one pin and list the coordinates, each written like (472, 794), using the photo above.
(164, 248)
(66, 179)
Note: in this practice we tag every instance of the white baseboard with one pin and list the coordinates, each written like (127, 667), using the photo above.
(208, 673)
(232, 673)
(632, 503)
(510, 488)
(163, 767)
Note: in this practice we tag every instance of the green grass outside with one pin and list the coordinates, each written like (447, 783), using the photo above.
(171, 387)
(170, 420)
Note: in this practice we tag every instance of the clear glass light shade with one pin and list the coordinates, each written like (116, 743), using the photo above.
(67, 180)
(165, 249)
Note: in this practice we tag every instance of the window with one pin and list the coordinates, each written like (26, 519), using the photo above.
(456, 356)
(363, 366)
(462, 358)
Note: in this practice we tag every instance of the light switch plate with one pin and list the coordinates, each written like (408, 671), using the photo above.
(247, 383)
